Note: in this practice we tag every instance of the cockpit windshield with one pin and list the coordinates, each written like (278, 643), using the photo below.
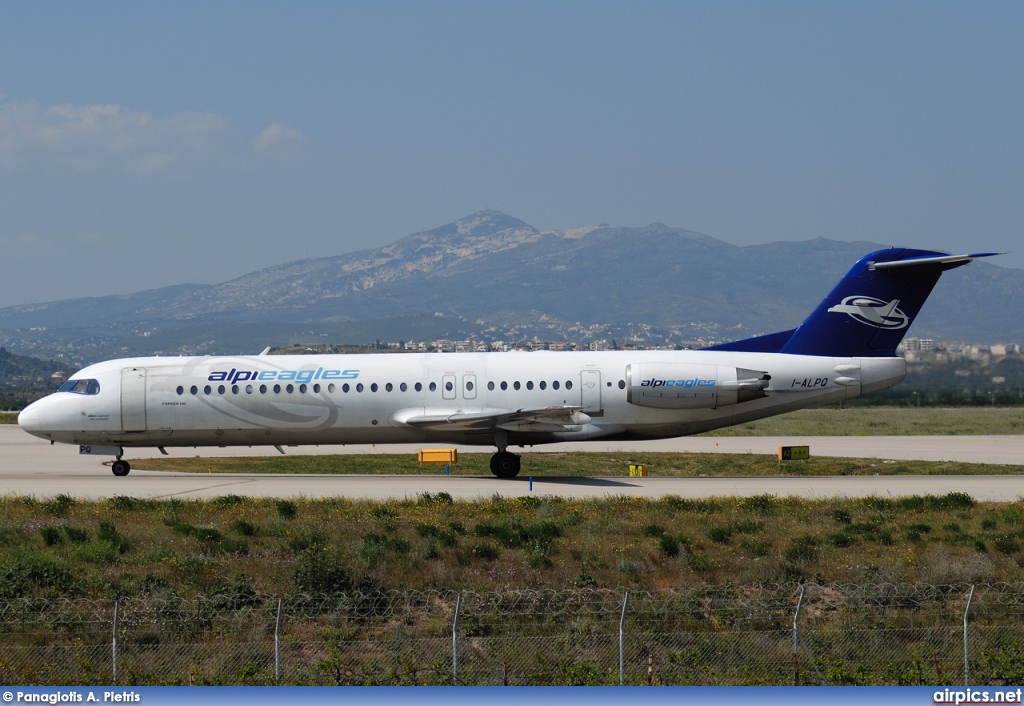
(81, 387)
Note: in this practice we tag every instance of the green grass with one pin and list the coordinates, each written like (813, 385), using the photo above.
(8, 417)
(131, 547)
(574, 464)
(886, 421)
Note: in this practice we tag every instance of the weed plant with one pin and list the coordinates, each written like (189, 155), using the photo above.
(235, 545)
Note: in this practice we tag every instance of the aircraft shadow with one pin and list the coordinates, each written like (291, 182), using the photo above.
(569, 480)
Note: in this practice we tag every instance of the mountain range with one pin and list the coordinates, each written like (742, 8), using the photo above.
(489, 277)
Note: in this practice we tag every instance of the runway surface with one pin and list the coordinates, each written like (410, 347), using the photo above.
(31, 466)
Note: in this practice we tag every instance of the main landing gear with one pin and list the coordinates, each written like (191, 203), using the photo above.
(505, 464)
(121, 468)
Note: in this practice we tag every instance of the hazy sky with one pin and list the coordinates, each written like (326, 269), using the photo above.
(154, 143)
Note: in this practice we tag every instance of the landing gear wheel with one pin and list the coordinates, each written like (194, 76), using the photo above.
(121, 468)
(505, 464)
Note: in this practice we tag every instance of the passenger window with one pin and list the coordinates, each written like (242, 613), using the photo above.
(529, 384)
(543, 385)
(469, 387)
(448, 386)
(220, 389)
(516, 385)
(490, 385)
(303, 388)
(403, 387)
(504, 385)
(234, 389)
(277, 389)
(419, 386)
(289, 389)
(359, 387)
(568, 384)
(207, 390)
(345, 387)
(389, 387)
(263, 389)
(373, 387)
(248, 389)
(316, 388)
(622, 384)
(194, 390)
(181, 390)
(433, 386)
(330, 388)
(554, 385)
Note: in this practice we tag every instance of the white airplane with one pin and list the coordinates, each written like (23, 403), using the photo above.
(845, 348)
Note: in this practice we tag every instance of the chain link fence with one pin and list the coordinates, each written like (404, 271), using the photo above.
(884, 634)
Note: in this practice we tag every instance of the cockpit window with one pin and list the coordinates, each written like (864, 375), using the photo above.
(81, 387)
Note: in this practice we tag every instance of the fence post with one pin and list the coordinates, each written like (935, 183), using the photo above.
(967, 676)
(796, 616)
(277, 643)
(455, 641)
(113, 643)
(622, 641)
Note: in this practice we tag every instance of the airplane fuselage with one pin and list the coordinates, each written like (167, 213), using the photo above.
(385, 398)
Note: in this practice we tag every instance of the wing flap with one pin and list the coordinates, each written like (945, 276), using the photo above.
(561, 418)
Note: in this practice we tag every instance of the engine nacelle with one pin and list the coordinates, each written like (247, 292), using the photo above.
(679, 386)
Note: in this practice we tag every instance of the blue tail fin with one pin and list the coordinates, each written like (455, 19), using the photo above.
(869, 311)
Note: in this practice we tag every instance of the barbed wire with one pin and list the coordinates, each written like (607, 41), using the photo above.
(746, 601)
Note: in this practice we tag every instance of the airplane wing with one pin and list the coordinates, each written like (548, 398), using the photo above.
(562, 418)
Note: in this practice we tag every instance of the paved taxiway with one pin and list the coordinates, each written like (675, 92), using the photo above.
(30, 466)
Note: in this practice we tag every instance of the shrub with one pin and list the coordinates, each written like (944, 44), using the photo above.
(669, 545)
(653, 530)
(720, 535)
(244, 527)
(306, 539)
(584, 580)
(125, 503)
(227, 500)
(1007, 545)
(428, 499)
(320, 571)
(802, 549)
(841, 539)
(234, 546)
(764, 503)
(26, 572)
(486, 551)
(747, 526)
(286, 509)
(425, 530)
(78, 536)
(59, 505)
(108, 533)
(51, 536)
(841, 516)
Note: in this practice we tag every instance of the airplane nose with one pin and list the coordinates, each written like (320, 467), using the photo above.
(29, 420)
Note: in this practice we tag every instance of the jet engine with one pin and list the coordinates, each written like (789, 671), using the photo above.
(693, 386)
